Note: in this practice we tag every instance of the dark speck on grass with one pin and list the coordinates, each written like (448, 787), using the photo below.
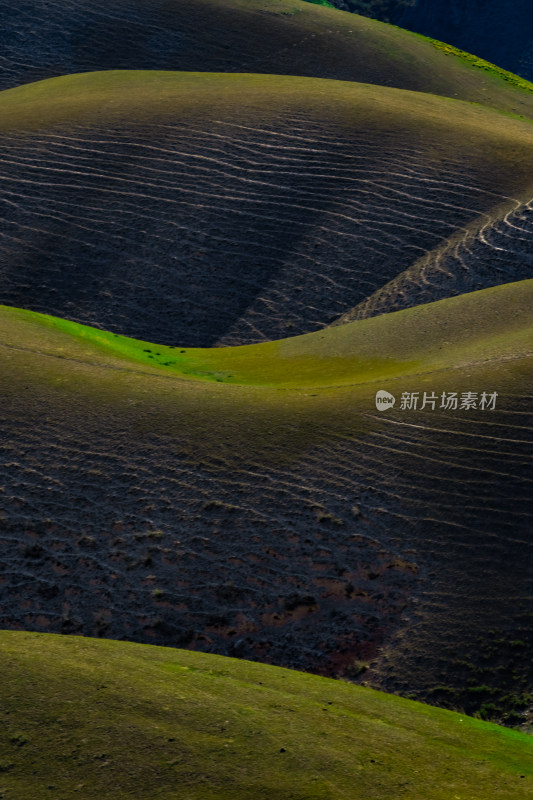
(183, 351)
(282, 750)
(147, 351)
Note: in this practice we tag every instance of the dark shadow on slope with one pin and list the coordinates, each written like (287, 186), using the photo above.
(42, 38)
(110, 527)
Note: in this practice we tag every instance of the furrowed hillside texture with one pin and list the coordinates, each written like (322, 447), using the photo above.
(495, 249)
(175, 469)
(210, 209)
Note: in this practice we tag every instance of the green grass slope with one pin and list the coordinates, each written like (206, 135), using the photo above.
(116, 95)
(478, 328)
(269, 36)
(89, 719)
(274, 400)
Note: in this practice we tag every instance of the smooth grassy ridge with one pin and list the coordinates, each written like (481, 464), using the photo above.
(493, 324)
(97, 718)
(140, 96)
(480, 63)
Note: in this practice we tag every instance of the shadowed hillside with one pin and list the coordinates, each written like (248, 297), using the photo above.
(160, 483)
(486, 253)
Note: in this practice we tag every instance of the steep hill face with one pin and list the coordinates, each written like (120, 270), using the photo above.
(501, 32)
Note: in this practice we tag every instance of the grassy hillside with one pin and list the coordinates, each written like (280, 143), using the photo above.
(114, 96)
(288, 37)
(125, 720)
(486, 29)
(491, 325)
(252, 501)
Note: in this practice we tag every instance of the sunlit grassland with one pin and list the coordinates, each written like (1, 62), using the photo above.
(93, 718)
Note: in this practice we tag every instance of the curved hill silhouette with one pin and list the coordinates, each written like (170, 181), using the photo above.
(251, 501)
(492, 250)
(169, 718)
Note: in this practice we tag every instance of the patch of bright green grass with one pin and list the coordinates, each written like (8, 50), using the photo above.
(94, 718)
(480, 63)
(478, 327)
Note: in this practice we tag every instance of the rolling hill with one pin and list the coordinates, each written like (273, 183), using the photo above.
(251, 501)
(216, 728)
(225, 225)
(206, 209)
(48, 38)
